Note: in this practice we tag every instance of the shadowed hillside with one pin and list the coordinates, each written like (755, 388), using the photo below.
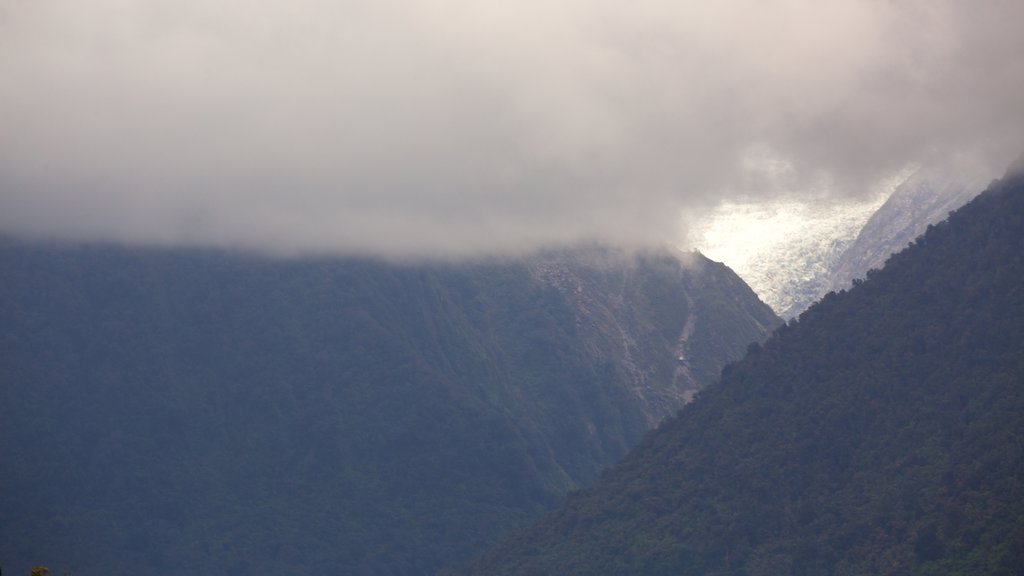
(170, 410)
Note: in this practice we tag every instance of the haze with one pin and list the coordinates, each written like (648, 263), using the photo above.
(457, 128)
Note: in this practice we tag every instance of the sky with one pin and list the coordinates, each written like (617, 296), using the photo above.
(452, 128)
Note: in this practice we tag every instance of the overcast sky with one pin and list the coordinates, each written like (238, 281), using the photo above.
(450, 127)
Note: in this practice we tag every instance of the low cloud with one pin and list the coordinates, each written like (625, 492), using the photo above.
(449, 127)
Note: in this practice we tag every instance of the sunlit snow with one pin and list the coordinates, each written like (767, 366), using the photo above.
(783, 249)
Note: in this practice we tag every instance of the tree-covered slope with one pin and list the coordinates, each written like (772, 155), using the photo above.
(882, 433)
(175, 411)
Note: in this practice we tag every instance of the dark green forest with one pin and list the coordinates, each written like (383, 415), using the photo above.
(175, 411)
(881, 433)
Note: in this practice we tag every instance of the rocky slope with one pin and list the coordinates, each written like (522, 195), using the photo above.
(666, 321)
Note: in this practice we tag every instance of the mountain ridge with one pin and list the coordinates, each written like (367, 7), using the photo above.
(604, 287)
(169, 409)
(879, 433)
(927, 197)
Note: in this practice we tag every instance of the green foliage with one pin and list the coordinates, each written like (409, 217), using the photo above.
(882, 433)
(174, 409)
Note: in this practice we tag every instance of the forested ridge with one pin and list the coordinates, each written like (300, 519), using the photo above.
(183, 411)
(882, 433)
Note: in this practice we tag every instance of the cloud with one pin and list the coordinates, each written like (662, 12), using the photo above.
(455, 127)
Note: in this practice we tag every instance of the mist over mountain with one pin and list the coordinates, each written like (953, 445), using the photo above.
(666, 324)
(418, 128)
(925, 198)
(167, 410)
(881, 433)
(361, 286)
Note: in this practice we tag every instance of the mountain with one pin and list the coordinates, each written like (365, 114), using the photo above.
(881, 433)
(784, 249)
(174, 411)
(794, 252)
(665, 325)
(925, 198)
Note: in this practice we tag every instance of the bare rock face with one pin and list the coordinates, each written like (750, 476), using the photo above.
(666, 322)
